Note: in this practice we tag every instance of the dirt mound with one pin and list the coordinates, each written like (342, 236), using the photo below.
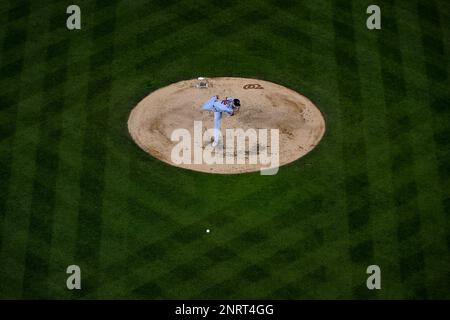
(264, 105)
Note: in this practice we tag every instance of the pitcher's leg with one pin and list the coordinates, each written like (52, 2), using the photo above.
(217, 118)
(208, 105)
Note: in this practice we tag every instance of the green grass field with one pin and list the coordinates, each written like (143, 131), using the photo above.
(75, 189)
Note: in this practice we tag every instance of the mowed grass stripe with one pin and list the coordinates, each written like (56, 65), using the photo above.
(7, 127)
(325, 75)
(43, 195)
(436, 48)
(116, 215)
(16, 199)
(37, 259)
(65, 219)
(92, 177)
(436, 66)
(52, 211)
(444, 100)
(411, 255)
(444, 15)
(429, 202)
(356, 183)
(379, 192)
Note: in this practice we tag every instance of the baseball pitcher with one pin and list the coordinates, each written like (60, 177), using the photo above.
(228, 105)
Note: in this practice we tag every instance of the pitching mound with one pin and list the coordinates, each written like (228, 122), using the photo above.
(264, 105)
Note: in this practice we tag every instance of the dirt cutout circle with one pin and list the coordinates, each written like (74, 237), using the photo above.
(264, 105)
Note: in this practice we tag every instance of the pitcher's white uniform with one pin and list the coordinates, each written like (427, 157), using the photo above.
(218, 106)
